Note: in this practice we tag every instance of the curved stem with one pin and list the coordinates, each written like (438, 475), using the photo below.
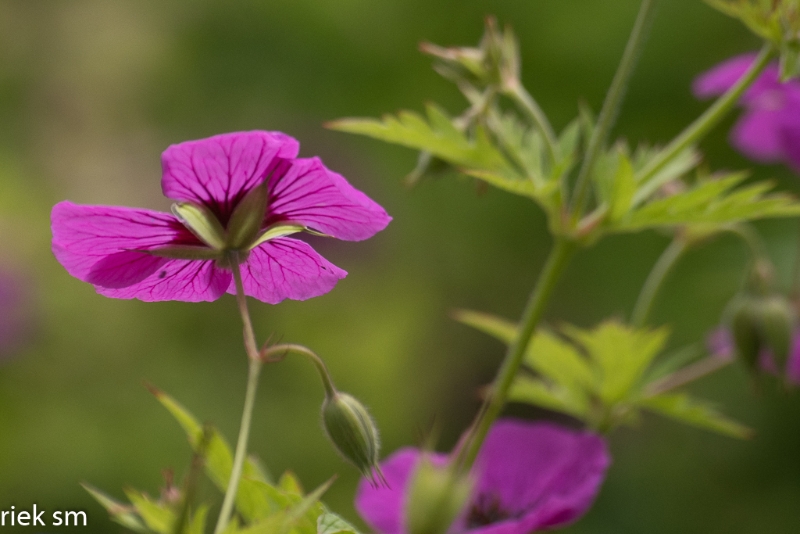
(751, 238)
(286, 348)
(687, 375)
(556, 262)
(614, 97)
(254, 370)
(656, 278)
(705, 122)
(516, 92)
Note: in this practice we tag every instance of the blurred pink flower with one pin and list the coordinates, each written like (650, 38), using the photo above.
(153, 256)
(769, 129)
(529, 477)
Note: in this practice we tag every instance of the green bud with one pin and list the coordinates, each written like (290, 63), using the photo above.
(352, 432)
(437, 495)
(777, 324)
(744, 313)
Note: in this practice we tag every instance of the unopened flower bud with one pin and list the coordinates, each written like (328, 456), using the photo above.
(437, 496)
(745, 329)
(777, 321)
(352, 432)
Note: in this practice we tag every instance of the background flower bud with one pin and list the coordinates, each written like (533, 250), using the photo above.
(352, 432)
(745, 329)
(777, 320)
(437, 496)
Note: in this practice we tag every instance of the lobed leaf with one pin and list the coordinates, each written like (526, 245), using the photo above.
(683, 408)
(119, 512)
(547, 395)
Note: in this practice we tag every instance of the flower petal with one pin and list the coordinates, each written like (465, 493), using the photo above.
(758, 134)
(543, 474)
(184, 280)
(218, 171)
(286, 268)
(323, 200)
(793, 365)
(720, 78)
(383, 507)
(85, 235)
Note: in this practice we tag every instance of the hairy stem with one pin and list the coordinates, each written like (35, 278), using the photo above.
(656, 278)
(708, 120)
(554, 267)
(611, 105)
(254, 370)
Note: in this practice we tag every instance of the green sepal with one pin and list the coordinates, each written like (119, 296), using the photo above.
(201, 222)
(283, 229)
(246, 219)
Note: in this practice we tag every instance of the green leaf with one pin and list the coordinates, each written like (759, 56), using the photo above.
(218, 459)
(301, 517)
(621, 353)
(559, 361)
(623, 189)
(198, 523)
(681, 407)
(158, 517)
(499, 328)
(330, 523)
(437, 136)
(550, 396)
(119, 512)
(675, 169)
(711, 202)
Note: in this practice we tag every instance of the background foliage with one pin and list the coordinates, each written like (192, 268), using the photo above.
(91, 91)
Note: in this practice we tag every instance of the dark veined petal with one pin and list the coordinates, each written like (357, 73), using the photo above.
(85, 235)
(310, 194)
(285, 268)
(218, 171)
(120, 276)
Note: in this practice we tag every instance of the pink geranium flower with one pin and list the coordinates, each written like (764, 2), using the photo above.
(769, 129)
(529, 477)
(238, 196)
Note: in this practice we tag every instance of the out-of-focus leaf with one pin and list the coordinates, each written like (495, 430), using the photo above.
(330, 523)
(681, 407)
(300, 518)
(547, 395)
(497, 327)
(678, 167)
(158, 517)
(622, 355)
(218, 458)
(119, 512)
(198, 523)
(561, 362)
(436, 135)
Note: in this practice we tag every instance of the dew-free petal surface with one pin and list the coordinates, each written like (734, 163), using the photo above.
(758, 135)
(85, 235)
(311, 194)
(218, 171)
(720, 78)
(287, 268)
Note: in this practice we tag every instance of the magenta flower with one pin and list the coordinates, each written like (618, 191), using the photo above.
(529, 477)
(769, 129)
(238, 196)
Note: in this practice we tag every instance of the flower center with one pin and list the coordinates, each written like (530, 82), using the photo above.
(486, 510)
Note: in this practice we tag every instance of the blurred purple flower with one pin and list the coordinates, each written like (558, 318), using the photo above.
(769, 129)
(529, 477)
(153, 256)
(721, 345)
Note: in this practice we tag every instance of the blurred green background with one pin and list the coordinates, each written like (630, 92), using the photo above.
(91, 92)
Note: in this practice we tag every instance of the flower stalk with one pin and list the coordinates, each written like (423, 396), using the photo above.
(611, 105)
(709, 119)
(666, 262)
(557, 261)
(253, 373)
